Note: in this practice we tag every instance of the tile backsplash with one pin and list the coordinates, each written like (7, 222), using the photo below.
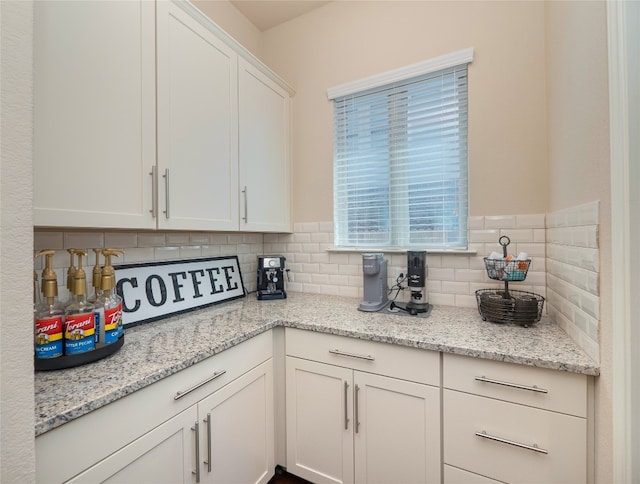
(150, 246)
(573, 269)
(563, 247)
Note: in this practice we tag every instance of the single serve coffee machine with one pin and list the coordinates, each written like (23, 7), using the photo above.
(375, 292)
(271, 277)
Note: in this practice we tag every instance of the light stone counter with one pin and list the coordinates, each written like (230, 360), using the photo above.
(153, 351)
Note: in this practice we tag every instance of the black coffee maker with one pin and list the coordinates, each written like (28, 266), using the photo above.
(271, 277)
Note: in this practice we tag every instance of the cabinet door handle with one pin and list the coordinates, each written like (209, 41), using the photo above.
(246, 210)
(533, 388)
(356, 416)
(182, 393)
(166, 192)
(346, 411)
(154, 191)
(196, 428)
(352, 355)
(208, 461)
(533, 447)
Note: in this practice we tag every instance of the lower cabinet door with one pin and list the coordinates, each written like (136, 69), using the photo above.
(397, 431)
(453, 475)
(164, 455)
(319, 421)
(237, 430)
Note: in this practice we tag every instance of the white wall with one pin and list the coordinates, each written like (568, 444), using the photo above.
(578, 134)
(17, 462)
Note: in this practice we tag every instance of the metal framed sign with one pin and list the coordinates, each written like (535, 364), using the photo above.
(156, 290)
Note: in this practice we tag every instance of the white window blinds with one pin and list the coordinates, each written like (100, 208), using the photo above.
(400, 163)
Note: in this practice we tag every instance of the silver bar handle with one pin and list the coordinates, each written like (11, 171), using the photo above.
(351, 355)
(346, 410)
(533, 388)
(533, 447)
(196, 428)
(246, 210)
(154, 191)
(356, 416)
(183, 393)
(208, 461)
(166, 192)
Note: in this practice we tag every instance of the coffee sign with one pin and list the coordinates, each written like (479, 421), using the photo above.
(156, 290)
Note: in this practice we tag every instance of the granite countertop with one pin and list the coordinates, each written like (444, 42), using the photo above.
(156, 350)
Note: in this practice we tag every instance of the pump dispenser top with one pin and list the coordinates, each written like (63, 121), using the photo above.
(71, 272)
(49, 277)
(97, 272)
(79, 324)
(108, 279)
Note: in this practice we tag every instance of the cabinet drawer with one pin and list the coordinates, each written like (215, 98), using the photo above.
(402, 362)
(453, 475)
(516, 443)
(538, 387)
(126, 419)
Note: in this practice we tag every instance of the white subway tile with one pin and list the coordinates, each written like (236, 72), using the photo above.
(218, 239)
(533, 221)
(140, 254)
(327, 268)
(486, 235)
(83, 240)
(517, 235)
(338, 280)
(48, 240)
(455, 287)
(338, 258)
(166, 253)
(301, 257)
(302, 237)
(325, 227)
(293, 247)
(120, 240)
(442, 299)
(177, 238)
(465, 301)
(320, 279)
(306, 227)
(469, 275)
(442, 274)
(190, 251)
(476, 222)
(349, 269)
(455, 261)
(321, 238)
(500, 222)
(320, 257)
(310, 247)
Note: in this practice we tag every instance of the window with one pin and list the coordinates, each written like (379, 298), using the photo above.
(400, 157)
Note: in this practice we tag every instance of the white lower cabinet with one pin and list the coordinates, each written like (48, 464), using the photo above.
(212, 422)
(345, 425)
(163, 455)
(512, 423)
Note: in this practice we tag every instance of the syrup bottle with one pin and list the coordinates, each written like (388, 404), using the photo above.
(79, 325)
(109, 300)
(49, 313)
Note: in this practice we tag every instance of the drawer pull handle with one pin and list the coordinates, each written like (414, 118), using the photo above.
(533, 447)
(346, 414)
(208, 461)
(352, 355)
(181, 394)
(534, 388)
(196, 429)
(357, 416)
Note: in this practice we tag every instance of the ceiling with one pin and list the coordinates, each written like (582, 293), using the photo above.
(265, 14)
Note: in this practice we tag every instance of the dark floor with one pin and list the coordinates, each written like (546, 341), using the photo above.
(283, 477)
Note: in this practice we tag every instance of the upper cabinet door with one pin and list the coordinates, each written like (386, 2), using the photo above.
(94, 114)
(264, 145)
(197, 125)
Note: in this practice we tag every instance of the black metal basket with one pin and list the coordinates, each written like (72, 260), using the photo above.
(503, 270)
(500, 306)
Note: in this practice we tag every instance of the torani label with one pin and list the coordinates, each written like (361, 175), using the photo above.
(48, 337)
(79, 332)
(112, 324)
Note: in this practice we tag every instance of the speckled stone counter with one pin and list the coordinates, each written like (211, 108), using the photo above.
(153, 351)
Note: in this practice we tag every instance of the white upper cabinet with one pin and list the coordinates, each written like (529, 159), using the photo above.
(94, 114)
(264, 139)
(147, 115)
(197, 125)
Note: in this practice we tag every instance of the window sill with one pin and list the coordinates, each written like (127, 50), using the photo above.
(396, 250)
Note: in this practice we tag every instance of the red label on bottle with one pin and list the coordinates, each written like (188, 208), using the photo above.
(112, 324)
(78, 333)
(48, 337)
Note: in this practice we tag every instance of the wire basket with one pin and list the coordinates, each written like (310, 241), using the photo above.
(519, 307)
(503, 270)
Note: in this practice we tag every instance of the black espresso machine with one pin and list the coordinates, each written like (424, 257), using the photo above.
(271, 277)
